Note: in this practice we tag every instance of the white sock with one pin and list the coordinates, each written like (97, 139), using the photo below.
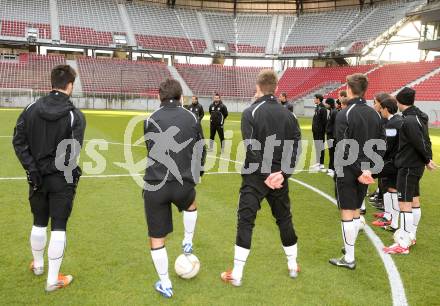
(189, 223)
(38, 241)
(407, 223)
(349, 237)
(417, 214)
(160, 260)
(55, 254)
(387, 203)
(363, 205)
(357, 226)
(395, 210)
(291, 254)
(240, 257)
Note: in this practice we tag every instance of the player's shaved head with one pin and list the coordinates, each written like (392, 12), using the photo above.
(170, 90)
(267, 80)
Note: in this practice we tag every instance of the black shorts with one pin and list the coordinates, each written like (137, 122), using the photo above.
(54, 199)
(408, 183)
(157, 206)
(388, 176)
(350, 193)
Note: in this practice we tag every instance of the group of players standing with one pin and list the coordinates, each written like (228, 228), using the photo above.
(408, 152)
(50, 120)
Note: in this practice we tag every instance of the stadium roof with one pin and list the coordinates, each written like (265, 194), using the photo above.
(267, 6)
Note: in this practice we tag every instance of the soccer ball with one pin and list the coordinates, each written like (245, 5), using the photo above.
(402, 238)
(187, 266)
(362, 223)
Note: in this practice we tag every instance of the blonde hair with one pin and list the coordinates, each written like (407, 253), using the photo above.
(267, 80)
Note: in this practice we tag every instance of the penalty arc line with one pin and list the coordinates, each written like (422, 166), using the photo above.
(396, 284)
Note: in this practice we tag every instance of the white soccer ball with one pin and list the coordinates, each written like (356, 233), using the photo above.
(187, 266)
(402, 238)
(362, 223)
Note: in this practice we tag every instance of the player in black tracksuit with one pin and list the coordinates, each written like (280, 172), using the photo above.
(355, 126)
(176, 154)
(285, 103)
(388, 175)
(48, 136)
(319, 124)
(263, 123)
(413, 155)
(196, 108)
(219, 113)
(330, 131)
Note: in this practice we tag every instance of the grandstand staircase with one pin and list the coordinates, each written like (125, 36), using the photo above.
(54, 21)
(187, 92)
(123, 14)
(272, 35)
(277, 38)
(77, 87)
(419, 80)
(205, 32)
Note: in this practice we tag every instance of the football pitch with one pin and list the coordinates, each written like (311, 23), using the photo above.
(108, 253)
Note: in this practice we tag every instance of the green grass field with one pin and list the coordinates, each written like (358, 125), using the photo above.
(108, 252)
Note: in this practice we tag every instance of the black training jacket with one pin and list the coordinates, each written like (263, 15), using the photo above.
(41, 127)
(414, 142)
(330, 128)
(172, 133)
(267, 118)
(288, 105)
(358, 122)
(392, 128)
(197, 109)
(319, 122)
(218, 113)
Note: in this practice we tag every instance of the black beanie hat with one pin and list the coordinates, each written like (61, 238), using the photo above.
(330, 101)
(406, 96)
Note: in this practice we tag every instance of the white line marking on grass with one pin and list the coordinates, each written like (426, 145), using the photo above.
(396, 284)
(397, 289)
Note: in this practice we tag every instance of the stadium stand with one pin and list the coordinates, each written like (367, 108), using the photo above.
(205, 80)
(30, 71)
(429, 90)
(297, 82)
(159, 28)
(91, 23)
(390, 78)
(18, 15)
(121, 76)
(373, 21)
(156, 27)
(312, 33)
(252, 33)
(221, 26)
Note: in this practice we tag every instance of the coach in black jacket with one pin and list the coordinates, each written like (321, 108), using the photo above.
(48, 136)
(176, 154)
(414, 153)
(267, 166)
(218, 112)
(196, 108)
(319, 124)
(355, 126)
(330, 131)
(285, 103)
